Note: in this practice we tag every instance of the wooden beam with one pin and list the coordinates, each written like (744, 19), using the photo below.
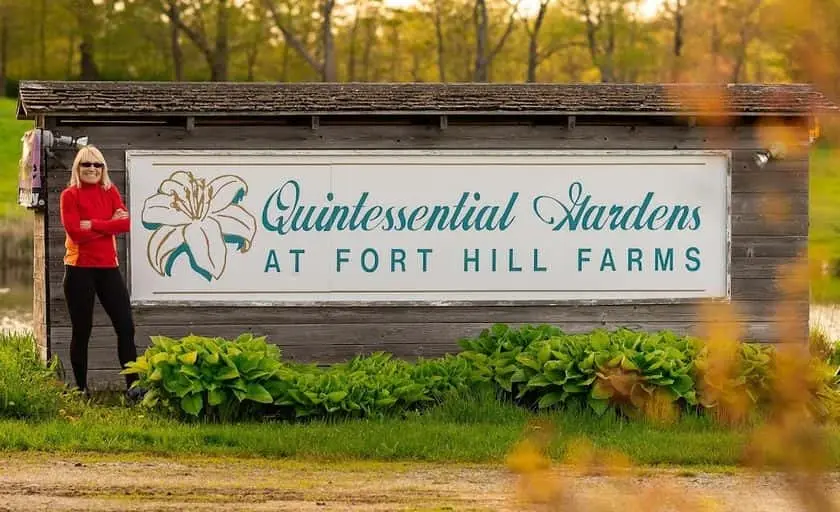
(572, 122)
(190, 123)
(316, 122)
(444, 122)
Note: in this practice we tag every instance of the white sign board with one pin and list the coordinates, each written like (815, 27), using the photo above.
(427, 226)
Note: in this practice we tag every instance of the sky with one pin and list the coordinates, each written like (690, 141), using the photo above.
(648, 7)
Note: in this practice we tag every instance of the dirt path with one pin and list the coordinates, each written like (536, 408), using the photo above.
(53, 483)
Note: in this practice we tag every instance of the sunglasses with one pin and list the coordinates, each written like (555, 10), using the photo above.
(97, 165)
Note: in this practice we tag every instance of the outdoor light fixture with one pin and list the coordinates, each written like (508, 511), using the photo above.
(51, 140)
(774, 152)
(36, 144)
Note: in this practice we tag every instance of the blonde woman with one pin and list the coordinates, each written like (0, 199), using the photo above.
(93, 213)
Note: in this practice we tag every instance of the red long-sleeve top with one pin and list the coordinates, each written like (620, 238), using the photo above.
(96, 247)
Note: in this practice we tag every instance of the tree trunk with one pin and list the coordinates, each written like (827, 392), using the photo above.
(481, 33)
(354, 34)
(175, 43)
(219, 60)
(370, 35)
(89, 70)
(284, 74)
(4, 49)
(608, 65)
(42, 40)
(71, 55)
(533, 45)
(329, 72)
(395, 53)
(679, 42)
(483, 57)
(439, 36)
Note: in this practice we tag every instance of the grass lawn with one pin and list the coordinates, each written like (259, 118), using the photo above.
(464, 431)
(825, 218)
(11, 130)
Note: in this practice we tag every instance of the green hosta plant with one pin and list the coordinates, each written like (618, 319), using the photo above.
(211, 376)
(374, 385)
(623, 367)
(494, 351)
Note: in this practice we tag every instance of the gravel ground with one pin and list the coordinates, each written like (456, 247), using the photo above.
(51, 483)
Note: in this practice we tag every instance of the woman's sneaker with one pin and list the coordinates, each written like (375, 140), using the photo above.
(135, 394)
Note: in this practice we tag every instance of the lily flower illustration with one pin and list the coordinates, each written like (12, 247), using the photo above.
(192, 216)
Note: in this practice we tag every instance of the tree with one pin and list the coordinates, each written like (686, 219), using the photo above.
(326, 65)
(188, 17)
(483, 55)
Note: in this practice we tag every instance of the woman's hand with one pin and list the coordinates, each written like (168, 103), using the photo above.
(85, 225)
(120, 214)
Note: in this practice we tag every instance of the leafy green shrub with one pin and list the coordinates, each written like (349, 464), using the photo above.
(538, 366)
(545, 367)
(29, 389)
(245, 378)
(494, 351)
(823, 348)
(212, 377)
(375, 385)
(631, 371)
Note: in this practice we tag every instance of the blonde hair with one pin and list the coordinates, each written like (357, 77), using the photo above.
(89, 154)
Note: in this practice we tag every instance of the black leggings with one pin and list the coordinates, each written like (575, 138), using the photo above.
(80, 285)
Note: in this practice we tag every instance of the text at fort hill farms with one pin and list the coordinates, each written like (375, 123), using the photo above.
(437, 226)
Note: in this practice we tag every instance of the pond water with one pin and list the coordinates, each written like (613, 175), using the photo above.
(15, 297)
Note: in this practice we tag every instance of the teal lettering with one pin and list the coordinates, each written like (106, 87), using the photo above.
(271, 261)
(580, 211)
(365, 266)
(598, 222)
(453, 222)
(395, 260)
(493, 259)
(581, 258)
(506, 220)
(284, 213)
(637, 224)
(659, 213)
(666, 263)
(279, 202)
(438, 211)
(468, 260)
(424, 253)
(634, 255)
(360, 204)
(416, 215)
(607, 260)
(511, 258)
(693, 255)
(340, 258)
(297, 253)
(537, 267)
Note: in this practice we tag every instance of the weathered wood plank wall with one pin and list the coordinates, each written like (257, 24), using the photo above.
(764, 238)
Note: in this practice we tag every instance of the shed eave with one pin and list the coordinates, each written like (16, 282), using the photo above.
(20, 112)
(24, 114)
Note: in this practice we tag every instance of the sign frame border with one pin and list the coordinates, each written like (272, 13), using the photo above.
(727, 298)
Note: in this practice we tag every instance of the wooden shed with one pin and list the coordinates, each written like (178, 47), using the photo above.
(351, 218)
